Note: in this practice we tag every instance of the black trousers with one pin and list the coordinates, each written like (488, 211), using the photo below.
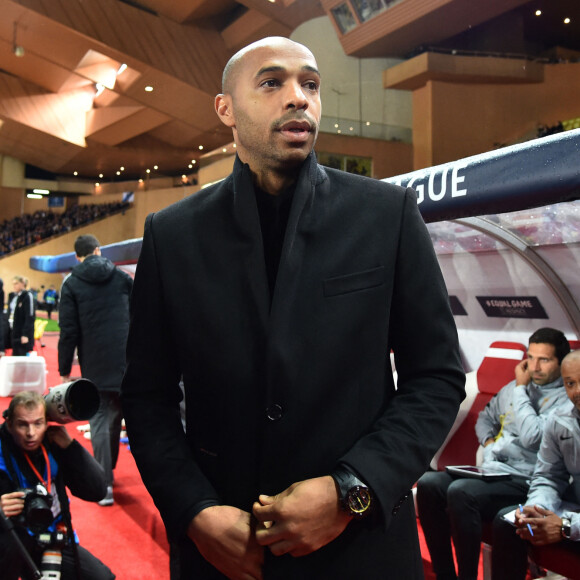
(458, 508)
(106, 432)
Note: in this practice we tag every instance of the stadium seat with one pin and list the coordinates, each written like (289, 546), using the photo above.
(495, 371)
(22, 373)
(555, 559)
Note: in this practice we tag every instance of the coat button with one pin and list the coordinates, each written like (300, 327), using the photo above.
(274, 412)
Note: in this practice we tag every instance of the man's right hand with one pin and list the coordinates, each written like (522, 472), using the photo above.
(225, 537)
(522, 372)
(12, 503)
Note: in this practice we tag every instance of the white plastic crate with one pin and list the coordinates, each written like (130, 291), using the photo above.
(22, 373)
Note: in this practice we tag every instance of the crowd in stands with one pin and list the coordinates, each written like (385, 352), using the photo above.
(545, 130)
(29, 229)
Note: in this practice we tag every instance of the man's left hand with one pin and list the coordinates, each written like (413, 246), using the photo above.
(59, 435)
(547, 527)
(301, 519)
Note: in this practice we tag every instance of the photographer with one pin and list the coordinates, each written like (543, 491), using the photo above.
(36, 459)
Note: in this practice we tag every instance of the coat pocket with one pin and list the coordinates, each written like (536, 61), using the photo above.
(354, 282)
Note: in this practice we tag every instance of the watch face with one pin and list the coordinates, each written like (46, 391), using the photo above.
(566, 527)
(358, 500)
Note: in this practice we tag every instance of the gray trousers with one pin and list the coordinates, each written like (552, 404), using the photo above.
(106, 432)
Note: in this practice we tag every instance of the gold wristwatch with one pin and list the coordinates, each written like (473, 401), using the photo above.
(354, 496)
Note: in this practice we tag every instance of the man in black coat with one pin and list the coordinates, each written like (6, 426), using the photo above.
(94, 319)
(22, 313)
(276, 296)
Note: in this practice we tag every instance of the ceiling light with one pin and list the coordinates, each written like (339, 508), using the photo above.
(566, 21)
(122, 168)
(17, 49)
(156, 167)
(148, 89)
(41, 191)
(538, 12)
(121, 69)
(75, 173)
(100, 176)
(33, 196)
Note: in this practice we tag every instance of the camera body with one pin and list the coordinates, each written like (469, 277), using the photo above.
(37, 514)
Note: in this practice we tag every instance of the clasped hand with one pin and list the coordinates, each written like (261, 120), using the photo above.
(297, 521)
(545, 524)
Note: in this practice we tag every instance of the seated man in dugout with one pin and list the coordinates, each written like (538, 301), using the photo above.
(510, 429)
(552, 509)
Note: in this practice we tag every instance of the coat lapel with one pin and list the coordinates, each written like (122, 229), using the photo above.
(247, 223)
(288, 281)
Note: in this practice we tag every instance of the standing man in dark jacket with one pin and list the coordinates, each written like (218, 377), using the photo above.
(94, 318)
(299, 453)
(22, 317)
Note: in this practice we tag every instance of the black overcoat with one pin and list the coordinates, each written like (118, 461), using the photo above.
(280, 391)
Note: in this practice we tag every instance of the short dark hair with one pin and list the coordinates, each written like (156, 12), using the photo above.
(86, 245)
(27, 399)
(554, 337)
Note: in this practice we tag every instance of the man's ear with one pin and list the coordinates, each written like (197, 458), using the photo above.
(224, 110)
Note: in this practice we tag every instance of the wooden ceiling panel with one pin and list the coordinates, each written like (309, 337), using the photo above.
(189, 10)
(115, 125)
(36, 147)
(179, 47)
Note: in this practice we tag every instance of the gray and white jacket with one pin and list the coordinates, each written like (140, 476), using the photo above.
(516, 416)
(556, 480)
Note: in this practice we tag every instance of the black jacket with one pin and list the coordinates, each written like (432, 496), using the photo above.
(94, 317)
(282, 390)
(24, 317)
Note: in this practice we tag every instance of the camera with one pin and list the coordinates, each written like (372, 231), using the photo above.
(37, 514)
(78, 400)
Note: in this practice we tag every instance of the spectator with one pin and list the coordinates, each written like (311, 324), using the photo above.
(510, 429)
(50, 298)
(94, 318)
(21, 318)
(2, 331)
(553, 505)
